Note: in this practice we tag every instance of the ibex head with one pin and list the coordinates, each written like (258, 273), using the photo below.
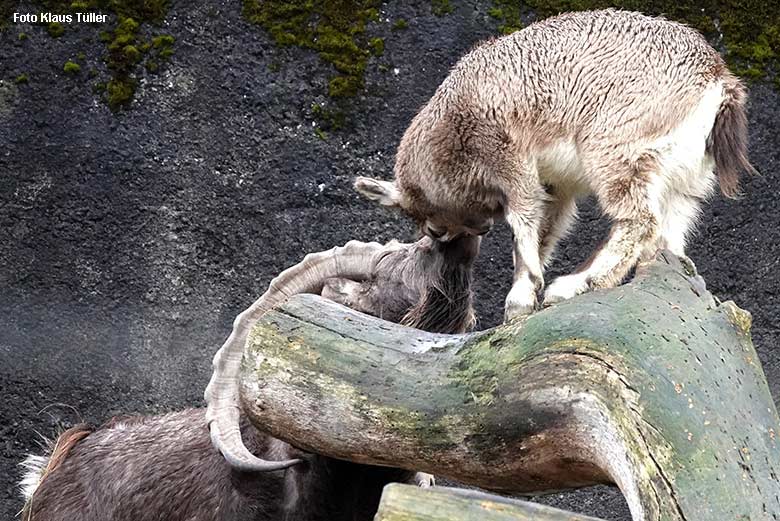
(426, 284)
(441, 224)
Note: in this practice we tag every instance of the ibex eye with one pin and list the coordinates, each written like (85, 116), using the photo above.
(433, 232)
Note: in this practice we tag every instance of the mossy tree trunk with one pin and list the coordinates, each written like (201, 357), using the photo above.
(653, 386)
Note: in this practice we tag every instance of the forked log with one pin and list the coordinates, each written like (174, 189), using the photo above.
(410, 503)
(654, 386)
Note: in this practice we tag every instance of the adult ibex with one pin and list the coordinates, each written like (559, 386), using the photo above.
(165, 467)
(426, 284)
(637, 110)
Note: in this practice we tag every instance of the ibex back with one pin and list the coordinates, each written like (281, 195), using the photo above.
(639, 111)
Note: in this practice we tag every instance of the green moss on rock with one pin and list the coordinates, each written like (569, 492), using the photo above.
(441, 7)
(71, 67)
(55, 29)
(333, 28)
(22, 78)
(22, 36)
(377, 46)
(509, 15)
(119, 93)
(127, 45)
(163, 41)
(400, 25)
(132, 53)
(329, 118)
(344, 86)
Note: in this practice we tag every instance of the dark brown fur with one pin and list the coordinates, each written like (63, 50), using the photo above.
(427, 286)
(60, 450)
(727, 142)
(65, 442)
(150, 468)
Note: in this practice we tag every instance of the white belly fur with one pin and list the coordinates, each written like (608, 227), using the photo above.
(560, 165)
(685, 167)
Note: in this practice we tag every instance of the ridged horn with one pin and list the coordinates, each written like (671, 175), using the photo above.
(354, 260)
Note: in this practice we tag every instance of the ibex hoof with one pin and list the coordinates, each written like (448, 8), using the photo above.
(564, 288)
(424, 480)
(519, 304)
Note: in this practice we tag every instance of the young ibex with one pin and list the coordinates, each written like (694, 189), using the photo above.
(636, 110)
(426, 284)
(150, 468)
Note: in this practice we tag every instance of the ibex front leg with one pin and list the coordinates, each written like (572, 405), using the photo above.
(524, 213)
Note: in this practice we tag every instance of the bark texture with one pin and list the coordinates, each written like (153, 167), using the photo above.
(654, 386)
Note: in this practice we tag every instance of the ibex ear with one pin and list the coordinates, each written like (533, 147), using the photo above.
(383, 192)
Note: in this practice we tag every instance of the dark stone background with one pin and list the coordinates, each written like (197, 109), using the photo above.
(129, 242)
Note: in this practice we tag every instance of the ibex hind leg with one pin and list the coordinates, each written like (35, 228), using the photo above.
(688, 187)
(628, 198)
(680, 213)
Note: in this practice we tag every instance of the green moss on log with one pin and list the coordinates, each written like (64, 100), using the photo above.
(654, 370)
(750, 28)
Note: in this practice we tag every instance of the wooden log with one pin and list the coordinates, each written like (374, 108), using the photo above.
(410, 503)
(654, 386)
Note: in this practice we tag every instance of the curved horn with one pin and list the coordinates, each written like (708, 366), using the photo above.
(354, 260)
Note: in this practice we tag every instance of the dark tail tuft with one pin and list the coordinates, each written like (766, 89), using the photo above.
(727, 142)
